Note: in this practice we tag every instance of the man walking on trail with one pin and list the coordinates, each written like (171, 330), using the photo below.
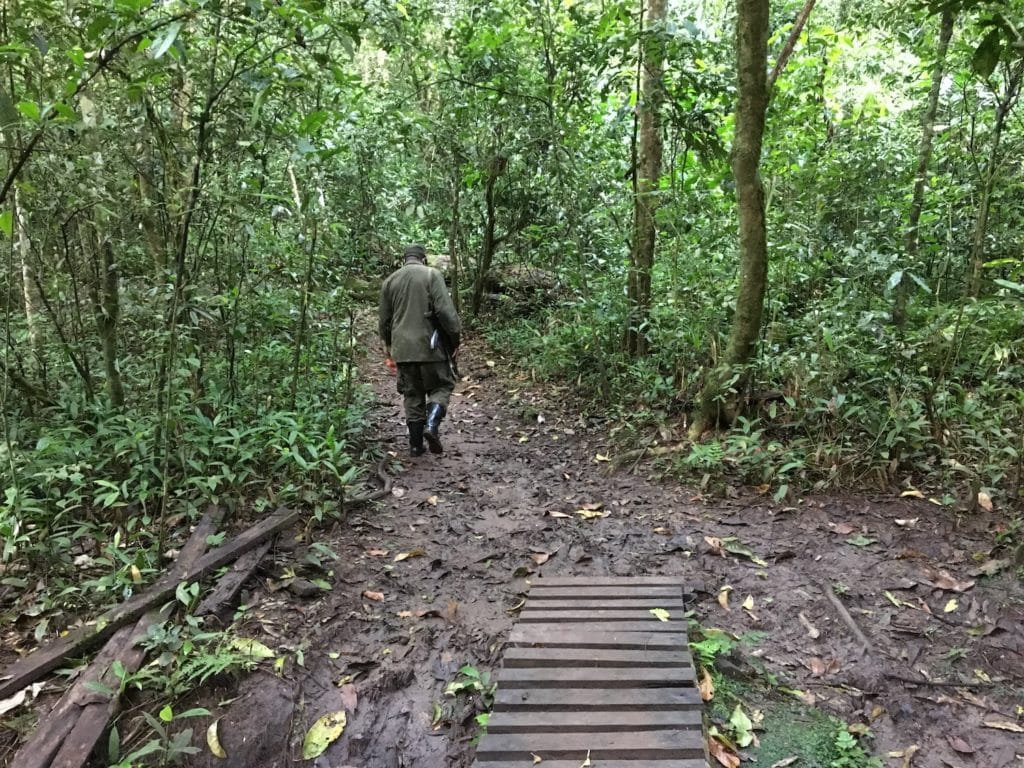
(421, 333)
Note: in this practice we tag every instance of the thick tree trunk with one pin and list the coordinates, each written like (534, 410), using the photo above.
(648, 176)
(924, 156)
(752, 103)
(1003, 109)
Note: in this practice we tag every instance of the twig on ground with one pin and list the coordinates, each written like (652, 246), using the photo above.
(845, 615)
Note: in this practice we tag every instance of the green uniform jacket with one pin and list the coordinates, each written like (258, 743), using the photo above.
(406, 300)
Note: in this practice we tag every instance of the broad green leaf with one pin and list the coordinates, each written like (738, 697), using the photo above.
(161, 45)
(324, 732)
(987, 54)
(1018, 287)
(742, 727)
(252, 648)
(29, 109)
(7, 222)
(167, 714)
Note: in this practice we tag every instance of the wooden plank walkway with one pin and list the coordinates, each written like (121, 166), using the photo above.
(591, 671)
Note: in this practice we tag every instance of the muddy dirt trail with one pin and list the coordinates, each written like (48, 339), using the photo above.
(430, 580)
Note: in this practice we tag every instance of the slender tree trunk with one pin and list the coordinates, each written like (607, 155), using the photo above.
(28, 289)
(1003, 109)
(453, 235)
(924, 156)
(649, 174)
(498, 164)
(752, 103)
(787, 49)
(107, 321)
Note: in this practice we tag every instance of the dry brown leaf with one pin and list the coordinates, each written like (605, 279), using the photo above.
(706, 686)
(378, 596)
(540, 557)
(662, 531)
(984, 501)
(959, 745)
(723, 597)
(1004, 725)
(786, 763)
(945, 580)
(722, 754)
(377, 552)
(349, 697)
(554, 513)
(910, 522)
(432, 501)
(843, 529)
(812, 631)
(716, 545)
(405, 614)
(398, 492)
(817, 666)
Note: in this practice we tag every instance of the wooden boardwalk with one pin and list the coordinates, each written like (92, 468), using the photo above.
(592, 671)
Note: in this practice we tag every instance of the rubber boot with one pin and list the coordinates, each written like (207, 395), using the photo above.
(416, 438)
(435, 414)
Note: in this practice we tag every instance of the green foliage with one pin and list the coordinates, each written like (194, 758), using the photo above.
(850, 754)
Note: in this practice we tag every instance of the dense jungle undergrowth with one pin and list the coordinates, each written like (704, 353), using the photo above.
(769, 248)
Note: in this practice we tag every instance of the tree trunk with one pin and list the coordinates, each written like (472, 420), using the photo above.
(752, 103)
(453, 236)
(28, 288)
(107, 323)
(498, 164)
(924, 156)
(787, 49)
(1003, 109)
(649, 173)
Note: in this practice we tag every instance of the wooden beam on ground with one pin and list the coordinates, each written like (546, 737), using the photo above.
(66, 737)
(49, 657)
(223, 596)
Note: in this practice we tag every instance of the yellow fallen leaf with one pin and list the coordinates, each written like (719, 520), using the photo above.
(554, 513)
(982, 675)
(213, 741)
(406, 555)
(660, 614)
(432, 501)
(536, 758)
(252, 648)
(601, 457)
(136, 575)
(706, 686)
(913, 492)
(723, 597)
(951, 606)
(590, 514)
(324, 732)
(892, 598)
(586, 763)
(749, 603)
(984, 501)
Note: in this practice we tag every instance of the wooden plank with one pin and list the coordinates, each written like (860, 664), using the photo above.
(223, 596)
(595, 657)
(603, 722)
(627, 603)
(67, 735)
(582, 629)
(608, 581)
(529, 763)
(561, 636)
(595, 677)
(648, 745)
(32, 667)
(597, 699)
(603, 593)
(600, 616)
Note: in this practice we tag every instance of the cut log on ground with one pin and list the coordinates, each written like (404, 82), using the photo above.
(222, 598)
(66, 737)
(49, 657)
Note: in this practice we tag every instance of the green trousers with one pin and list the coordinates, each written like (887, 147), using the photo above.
(422, 383)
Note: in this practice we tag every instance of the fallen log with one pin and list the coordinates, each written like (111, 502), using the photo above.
(66, 737)
(223, 595)
(29, 669)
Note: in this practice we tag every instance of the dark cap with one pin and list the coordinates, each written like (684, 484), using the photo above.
(415, 251)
